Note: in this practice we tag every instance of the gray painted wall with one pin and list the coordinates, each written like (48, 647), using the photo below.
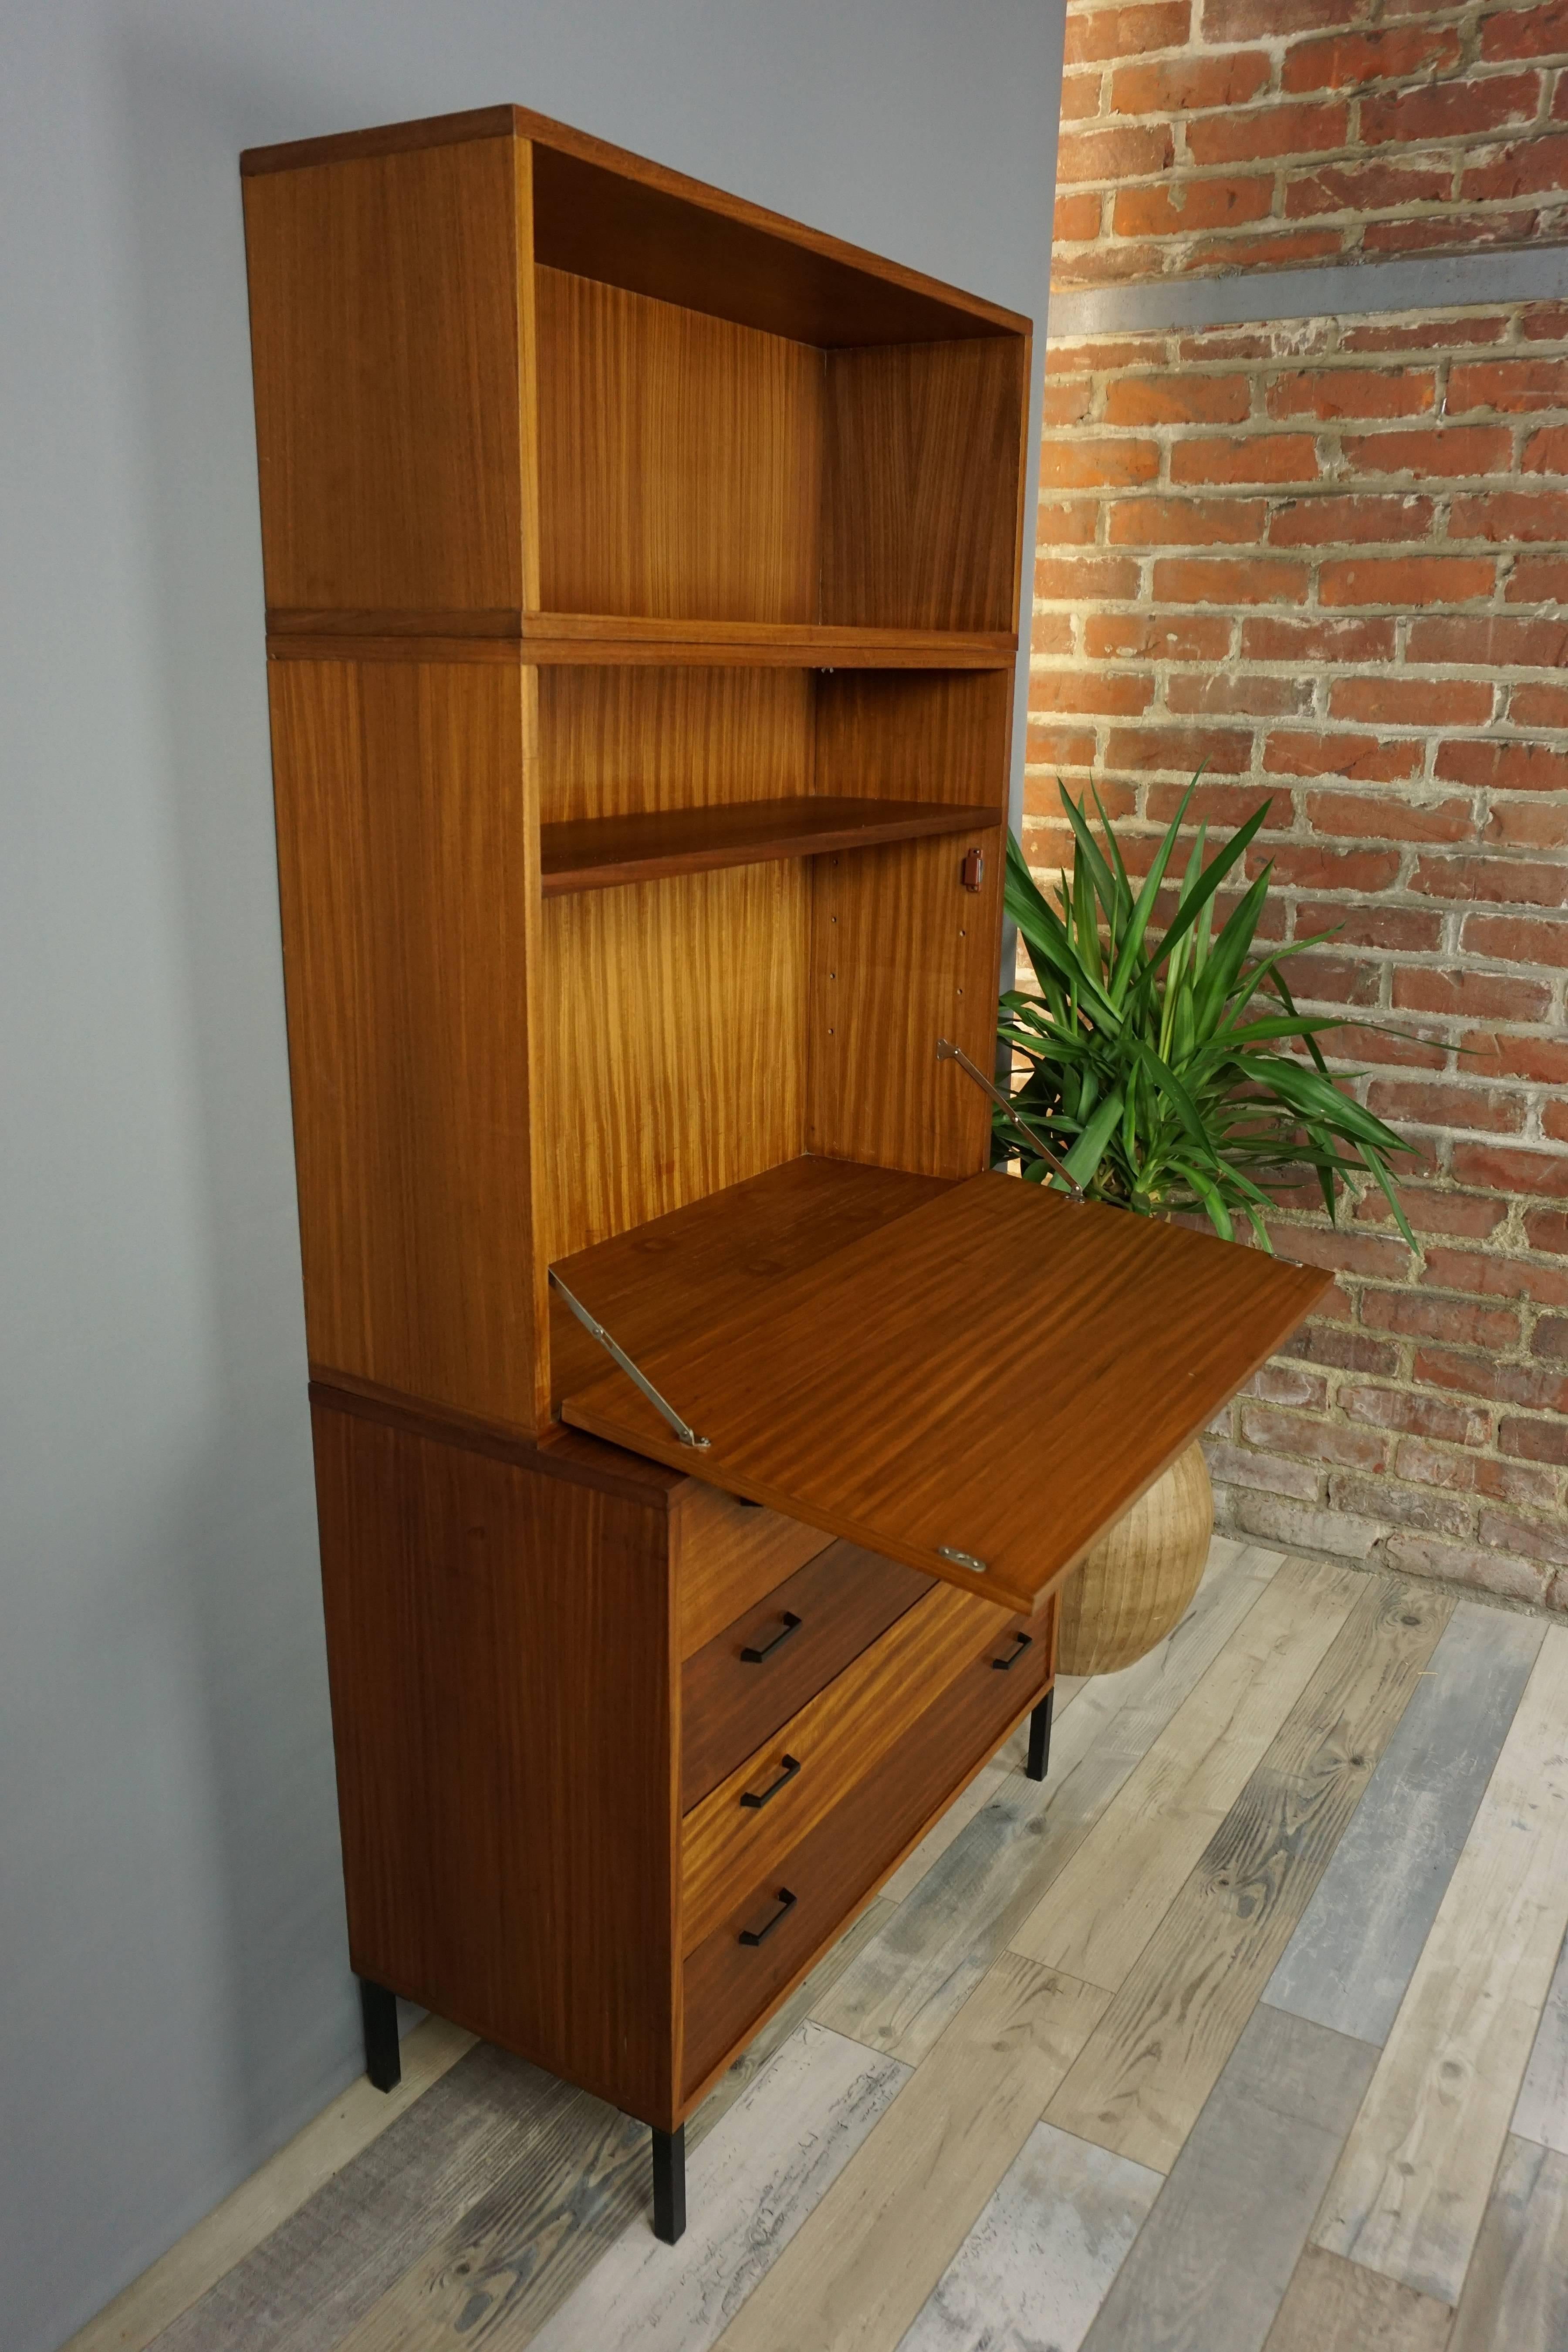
(177, 1991)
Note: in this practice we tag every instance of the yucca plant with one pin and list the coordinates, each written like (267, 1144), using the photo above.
(1152, 1068)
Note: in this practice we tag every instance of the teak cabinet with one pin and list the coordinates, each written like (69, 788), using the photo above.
(642, 583)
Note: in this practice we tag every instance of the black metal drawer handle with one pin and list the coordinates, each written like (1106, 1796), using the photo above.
(756, 1800)
(1005, 1665)
(759, 1934)
(792, 1624)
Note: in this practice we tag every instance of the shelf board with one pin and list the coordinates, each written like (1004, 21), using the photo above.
(596, 853)
(614, 638)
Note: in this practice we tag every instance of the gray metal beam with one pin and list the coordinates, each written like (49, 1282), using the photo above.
(1537, 273)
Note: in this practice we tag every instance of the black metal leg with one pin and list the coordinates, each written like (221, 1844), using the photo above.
(669, 2184)
(382, 2060)
(1039, 1760)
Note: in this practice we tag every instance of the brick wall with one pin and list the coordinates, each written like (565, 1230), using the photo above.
(1207, 135)
(1330, 557)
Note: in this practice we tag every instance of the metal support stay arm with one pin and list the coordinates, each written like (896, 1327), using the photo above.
(682, 1429)
(945, 1052)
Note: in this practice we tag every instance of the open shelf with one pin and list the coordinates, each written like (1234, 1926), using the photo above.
(596, 853)
(612, 639)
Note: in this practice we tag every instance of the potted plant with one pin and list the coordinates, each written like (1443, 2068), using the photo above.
(1155, 1069)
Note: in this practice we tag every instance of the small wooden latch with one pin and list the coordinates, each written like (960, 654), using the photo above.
(973, 869)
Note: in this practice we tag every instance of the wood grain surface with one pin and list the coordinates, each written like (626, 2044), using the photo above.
(1332, 2305)
(1542, 2111)
(1515, 2295)
(598, 853)
(728, 1556)
(1410, 2192)
(961, 1378)
(620, 742)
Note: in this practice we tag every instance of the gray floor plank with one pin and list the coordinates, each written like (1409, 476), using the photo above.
(912, 1979)
(1515, 2297)
(1037, 2264)
(1335, 2306)
(1212, 2262)
(750, 2186)
(1348, 1961)
(1541, 2112)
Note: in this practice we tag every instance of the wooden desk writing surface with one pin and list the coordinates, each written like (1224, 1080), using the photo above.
(999, 1372)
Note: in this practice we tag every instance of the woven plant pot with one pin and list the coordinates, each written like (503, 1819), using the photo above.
(1137, 1581)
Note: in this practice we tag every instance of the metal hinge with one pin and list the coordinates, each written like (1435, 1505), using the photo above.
(945, 1052)
(682, 1429)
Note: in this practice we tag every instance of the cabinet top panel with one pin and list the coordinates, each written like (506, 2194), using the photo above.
(605, 213)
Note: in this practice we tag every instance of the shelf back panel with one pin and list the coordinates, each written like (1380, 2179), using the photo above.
(625, 741)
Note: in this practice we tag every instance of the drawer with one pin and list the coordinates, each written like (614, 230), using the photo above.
(728, 1984)
(728, 1556)
(736, 1838)
(740, 1687)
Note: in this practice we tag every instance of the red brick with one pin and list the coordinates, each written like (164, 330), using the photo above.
(1350, 521)
(1162, 208)
(1529, 1539)
(1076, 219)
(1424, 1416)
(1427, 1103)
(1530, 167)
(1271, 638)
(1540, 32)
(1407, 1506)
(1470, 995)
(1538, 580)
(1528, 825)
(1339, 1249)
(1067, 400)
(1229, 693)
(1496, 1165)
(1252, 20)
(1080, 96)
(1432, 1210)
(1407, 930)
(1429, 335)
(1098, 354)
(1352, 59)
(1489, 1274)
(1350, 1351)
(1412, 702)
(1050, 633)
(1483, 642)
(1361, 1046)
(1506, 881)
(1552, 1337)
(1059, 747)
(1539, 1061)
(1381, 816)
(1469, 1472)
(1464, 109)
(1190, 580)
(1361, 188)
(1514, 386)
(1105, 264)
(1504, 767)
(1406, 580)
(1157, 636)
(1545, 322)
(1456, 1564)
(1480, 1376)
(1327, 869)
(1190, 84)
(1449, 450)
(1318, 1441)
(1317, 978)
(1267, 131)
(1071, 522)
(1547, 1229)
(1353, 392)
(1540, 706)
(1374, 759)
(1113, 154)
(1510, 515)
(1111, 578)
(1554, 1119)
(1214, 805)
(1277, 249)
(1260, 458)
(1083, 464)
(1546, 452)
(1448, 233)
(1182, 749)
(1122, 693)
(1178, 400)
(1187, 522)
(1128, 32)
(1509, 1482)
(1284, 1384)
(1533, 1441)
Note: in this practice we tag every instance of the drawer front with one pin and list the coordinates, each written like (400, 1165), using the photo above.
(736, 1838)
(729, 1984)
(728, 1558)
(741, 1687)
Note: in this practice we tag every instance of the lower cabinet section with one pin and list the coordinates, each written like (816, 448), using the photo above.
(774, 1926)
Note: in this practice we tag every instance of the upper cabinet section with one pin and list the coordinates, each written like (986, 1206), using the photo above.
(514, 384)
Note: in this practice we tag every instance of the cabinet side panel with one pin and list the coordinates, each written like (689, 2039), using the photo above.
(500, 1652)
(385, 337)
(902, 952)
(410, 893)
(672, 1044)
(920, 474)
(680, 460)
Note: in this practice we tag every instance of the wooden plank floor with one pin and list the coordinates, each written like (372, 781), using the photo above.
(1247, 2032)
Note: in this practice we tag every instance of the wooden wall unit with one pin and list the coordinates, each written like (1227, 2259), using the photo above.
(642, 578)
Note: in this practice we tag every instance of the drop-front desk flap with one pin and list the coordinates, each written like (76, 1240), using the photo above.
(979, 1387)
